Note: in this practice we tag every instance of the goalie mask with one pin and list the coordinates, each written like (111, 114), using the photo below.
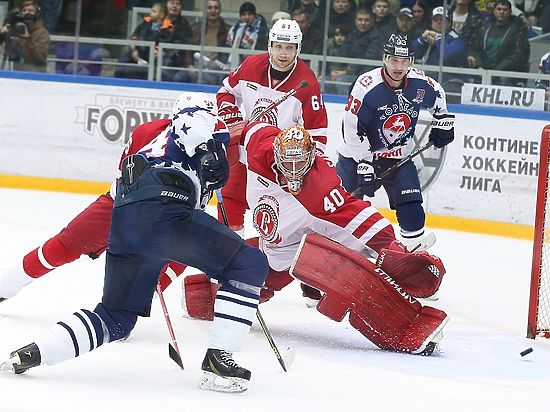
(294, 151)
(189, 99)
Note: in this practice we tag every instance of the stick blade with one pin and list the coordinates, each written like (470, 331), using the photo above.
(175, 356)
(289, 357)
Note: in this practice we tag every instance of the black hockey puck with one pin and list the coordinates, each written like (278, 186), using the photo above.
(526, 351)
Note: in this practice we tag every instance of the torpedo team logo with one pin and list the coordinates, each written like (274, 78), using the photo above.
(394, 127)
(265, 218)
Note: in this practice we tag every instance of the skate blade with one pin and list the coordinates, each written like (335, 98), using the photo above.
(310, 303)
(8, 366)
(212, 382)
(426, 242)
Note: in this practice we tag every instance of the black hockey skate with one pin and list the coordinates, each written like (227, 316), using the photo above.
(22, 359)
(222, 373)
(2, 299)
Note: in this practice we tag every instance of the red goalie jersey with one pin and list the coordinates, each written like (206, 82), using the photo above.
(322, 206)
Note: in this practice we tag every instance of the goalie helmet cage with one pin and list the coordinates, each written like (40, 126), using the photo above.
(538, 323)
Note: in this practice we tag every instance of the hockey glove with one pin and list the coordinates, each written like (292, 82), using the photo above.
(443, 130)
(214, 167)
(366, 178)
(230, 114)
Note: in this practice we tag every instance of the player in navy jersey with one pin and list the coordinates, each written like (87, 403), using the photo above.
(380, 118)
(157, 218)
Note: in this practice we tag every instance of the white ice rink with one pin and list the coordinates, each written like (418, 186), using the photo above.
(485, 292)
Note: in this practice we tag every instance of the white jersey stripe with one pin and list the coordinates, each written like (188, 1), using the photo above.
(373, 230)
(360, 218)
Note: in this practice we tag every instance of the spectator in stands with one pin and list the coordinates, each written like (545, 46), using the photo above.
(338, 46)
(422, 15)
(406, 24)
(182, 35)
(544, 68)
(312, 37)
(362, 43)
(155, 27)
(384, 21)
(50, 11)
(342, 13)
(312, 8)
(503, 44)
(427, 47)
(250, 32)
(26, 39)
(466, 20)
(215, 35)
(279, 15)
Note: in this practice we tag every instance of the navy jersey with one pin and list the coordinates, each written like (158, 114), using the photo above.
(379, 120)
(175, 146)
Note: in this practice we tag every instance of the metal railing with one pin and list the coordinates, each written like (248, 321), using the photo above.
(154, 65)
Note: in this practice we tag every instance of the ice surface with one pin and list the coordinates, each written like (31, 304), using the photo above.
(485, 292)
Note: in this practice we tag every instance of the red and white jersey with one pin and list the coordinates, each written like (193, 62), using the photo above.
(140, 137)
(322, 206)
(251, 88)
(143, 135)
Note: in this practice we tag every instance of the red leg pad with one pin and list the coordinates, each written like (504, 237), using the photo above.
(169, 273)
(333, 307)
(423, 329)
(379, 308)
(198, 296)
(418, 273)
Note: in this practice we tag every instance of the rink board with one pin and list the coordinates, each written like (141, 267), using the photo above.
(58, 131)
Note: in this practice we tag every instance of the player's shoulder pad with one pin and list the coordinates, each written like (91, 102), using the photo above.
(418, 76)
(369, 80)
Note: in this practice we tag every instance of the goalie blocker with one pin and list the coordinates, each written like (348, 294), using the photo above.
(380, 307)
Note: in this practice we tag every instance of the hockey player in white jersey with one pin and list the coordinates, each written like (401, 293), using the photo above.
(293, 192)
(379, 120)
(157, 218)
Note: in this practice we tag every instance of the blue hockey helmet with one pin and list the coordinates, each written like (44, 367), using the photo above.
(398, 46)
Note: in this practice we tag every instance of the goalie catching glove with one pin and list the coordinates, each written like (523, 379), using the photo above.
(443, 129)
(418, 273)
(214, 167)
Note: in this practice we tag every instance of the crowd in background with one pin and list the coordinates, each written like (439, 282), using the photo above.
(487, 34)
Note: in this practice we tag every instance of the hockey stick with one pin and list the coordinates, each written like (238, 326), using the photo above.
(287, 360)
(277, 102)
(173, 350)
(397, 165)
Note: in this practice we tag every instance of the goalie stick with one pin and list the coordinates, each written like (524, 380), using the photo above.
(281, 99)
(287, 359)
(400, 163)
(173, 350)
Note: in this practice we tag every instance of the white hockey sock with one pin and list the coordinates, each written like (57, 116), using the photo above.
(233, 316)
(13, 279)
(80, 333)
